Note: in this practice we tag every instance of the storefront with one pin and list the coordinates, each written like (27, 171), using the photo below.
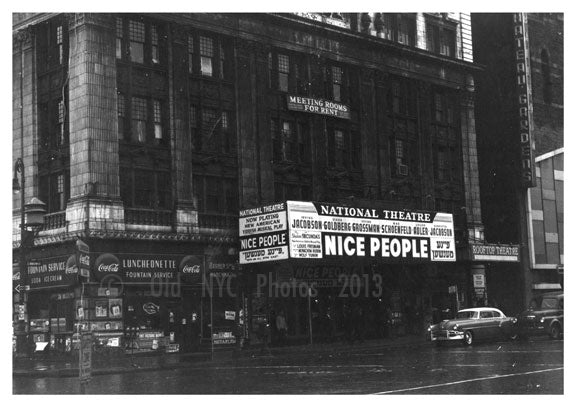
(323, 265)
(131, 302)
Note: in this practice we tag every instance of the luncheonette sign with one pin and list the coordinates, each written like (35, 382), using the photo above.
(331, 231)
(318, 106)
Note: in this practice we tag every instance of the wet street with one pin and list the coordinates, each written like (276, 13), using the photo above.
(531, 367)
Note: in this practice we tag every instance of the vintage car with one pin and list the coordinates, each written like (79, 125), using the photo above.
(474, 324)
(545, 315)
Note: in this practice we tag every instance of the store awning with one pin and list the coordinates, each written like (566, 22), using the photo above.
(546, 286)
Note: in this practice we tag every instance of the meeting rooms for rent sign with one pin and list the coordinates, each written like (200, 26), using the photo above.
(311, 230)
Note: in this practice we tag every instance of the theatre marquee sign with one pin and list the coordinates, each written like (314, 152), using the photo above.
(311, 230)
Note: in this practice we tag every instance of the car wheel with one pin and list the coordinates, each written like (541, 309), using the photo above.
(468, 338)
(555, 331)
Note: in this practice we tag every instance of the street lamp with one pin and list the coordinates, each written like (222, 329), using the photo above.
(31, 216)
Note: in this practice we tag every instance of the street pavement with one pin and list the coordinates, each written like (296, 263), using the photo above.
(407, 365)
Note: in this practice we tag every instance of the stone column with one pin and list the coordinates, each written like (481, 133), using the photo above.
(186, 212)
(470, 164)
(25, 125)
(94, 161)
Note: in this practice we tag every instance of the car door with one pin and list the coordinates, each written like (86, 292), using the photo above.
(489, 325)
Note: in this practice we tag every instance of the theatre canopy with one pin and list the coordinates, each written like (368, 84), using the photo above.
(317, 231)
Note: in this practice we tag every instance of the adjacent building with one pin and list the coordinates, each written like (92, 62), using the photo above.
(520, 127)
(147, 134)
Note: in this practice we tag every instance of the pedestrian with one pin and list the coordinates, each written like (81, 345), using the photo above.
(389, 323)
(348, 324)
(281, 328)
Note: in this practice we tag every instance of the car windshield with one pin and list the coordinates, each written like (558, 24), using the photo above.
(467, 315)
(544, 303)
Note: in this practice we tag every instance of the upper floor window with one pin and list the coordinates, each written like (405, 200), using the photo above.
(209, 56)
(399, 27)
(441, 38)
(145, 188)
(138, 40)
(212, 130)
(290, 140)
(336, 81)
(287, 72)
(54, 189)
(52, 43)
(216, 194)
(141, 120)
(344, 148)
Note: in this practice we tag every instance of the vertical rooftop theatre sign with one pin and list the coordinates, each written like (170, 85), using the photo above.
(318, 106)
(524, 93)
(311, 230)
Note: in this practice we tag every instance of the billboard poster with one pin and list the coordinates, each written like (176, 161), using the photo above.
(312, 230)
(263, 234)
(331, 231)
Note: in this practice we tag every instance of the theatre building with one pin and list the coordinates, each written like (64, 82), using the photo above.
(149, 136)
(521, 149)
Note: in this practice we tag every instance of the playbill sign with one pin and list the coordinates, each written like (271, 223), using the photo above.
(311, 230)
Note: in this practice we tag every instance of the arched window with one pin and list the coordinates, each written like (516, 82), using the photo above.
(546, 79)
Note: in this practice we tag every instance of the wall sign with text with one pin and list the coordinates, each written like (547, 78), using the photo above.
(330, 231)
(318, 106)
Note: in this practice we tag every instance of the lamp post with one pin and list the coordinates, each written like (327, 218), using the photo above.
(31, 216)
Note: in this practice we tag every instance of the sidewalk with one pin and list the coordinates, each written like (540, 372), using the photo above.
(53, 367)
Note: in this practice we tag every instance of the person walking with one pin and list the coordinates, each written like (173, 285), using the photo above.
(281, 328)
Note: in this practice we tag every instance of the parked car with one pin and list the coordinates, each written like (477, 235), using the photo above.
(474, 324)
(545, 315)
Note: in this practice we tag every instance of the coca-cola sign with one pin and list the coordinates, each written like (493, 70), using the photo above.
(105, 264)
(109, 268)
(191, 268)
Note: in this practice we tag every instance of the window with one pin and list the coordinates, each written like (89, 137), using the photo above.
(139, 117)
(157, 120)
(336, 83)
(287, 73)
(290, 140)
(61, 121)
(119, 37)
(154, 41)
(344, 148)
(445, 136)
(399, 27)
(283, 72)
(217, 195)
(441, 38)
(138, 40)
(212, 130)
(402, 127)
(60, 44)
(209, 56)
(52, 44)
(121, 116)
(145, 123)
(290, 191)
(54, 189)
(206, 56)
(145, 188)
(406, 29)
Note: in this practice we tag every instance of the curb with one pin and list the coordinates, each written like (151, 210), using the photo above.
(232, 355)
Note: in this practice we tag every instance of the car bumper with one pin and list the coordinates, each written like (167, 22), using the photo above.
(442, 336)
